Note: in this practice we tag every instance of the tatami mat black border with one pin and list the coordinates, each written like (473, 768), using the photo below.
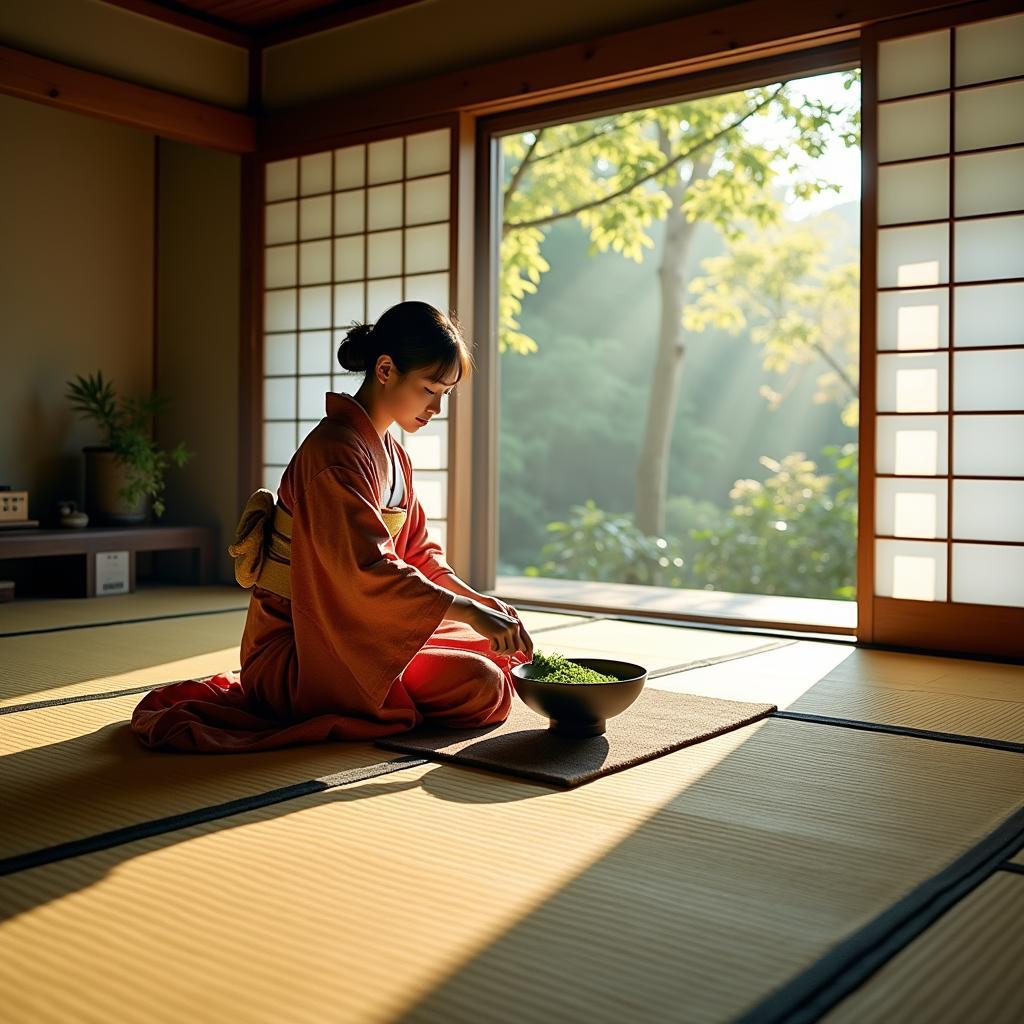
(35, 705)
(689, 666)
(157, 826)
(902, 730)
(121, 622)
(815, 991)
(1015, 868)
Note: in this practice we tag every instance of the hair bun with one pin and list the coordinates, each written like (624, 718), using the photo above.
(354, 351)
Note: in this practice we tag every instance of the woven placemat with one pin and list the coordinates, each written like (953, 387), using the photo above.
(657, 722)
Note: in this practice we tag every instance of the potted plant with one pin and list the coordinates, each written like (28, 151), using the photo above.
(128, 468)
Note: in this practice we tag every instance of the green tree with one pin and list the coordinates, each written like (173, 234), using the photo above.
(547, 464)
(684, 163)
(779, 285)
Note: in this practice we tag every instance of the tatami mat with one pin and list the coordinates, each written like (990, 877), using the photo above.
(45, 666)
(688, 885)
(538, 620)
(790, 671)
(836, 680)
(979, 699)
(698, 882)
(965, 967)
(70, 772)
(969, 716)
(655, 646)
(147, 602)
(75, 770)
(839, 681)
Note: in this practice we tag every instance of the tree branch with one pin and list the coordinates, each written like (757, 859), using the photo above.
(517, 225)
(522, 167)
(534, 160)
(830, 359)
(590, 138)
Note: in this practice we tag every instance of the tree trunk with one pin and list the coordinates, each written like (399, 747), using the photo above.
(652, 468)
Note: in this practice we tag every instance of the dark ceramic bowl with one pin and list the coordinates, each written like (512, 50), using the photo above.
(580, 709)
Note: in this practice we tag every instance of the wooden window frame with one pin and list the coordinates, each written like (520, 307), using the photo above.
(953, 627)
(779, 67)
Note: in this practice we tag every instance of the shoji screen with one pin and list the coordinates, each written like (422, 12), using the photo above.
(944, 134)
(347, 233)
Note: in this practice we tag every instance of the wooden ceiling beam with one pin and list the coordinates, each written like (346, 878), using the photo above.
(715, 38)
(86, 92)
(282, 30)
(324, 19)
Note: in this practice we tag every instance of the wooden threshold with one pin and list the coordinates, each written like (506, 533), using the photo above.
(752, 611)
(960, 627)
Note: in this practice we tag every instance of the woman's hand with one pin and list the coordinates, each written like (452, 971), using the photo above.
(499, 622)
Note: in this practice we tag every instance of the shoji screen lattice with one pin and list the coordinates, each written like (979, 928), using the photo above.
(348, 233)
(947, 142)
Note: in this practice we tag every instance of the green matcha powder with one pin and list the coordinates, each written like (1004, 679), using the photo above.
(553, 668)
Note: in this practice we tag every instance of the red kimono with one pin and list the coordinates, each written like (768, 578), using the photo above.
(361, 648)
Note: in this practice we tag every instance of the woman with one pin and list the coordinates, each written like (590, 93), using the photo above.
(357, 626)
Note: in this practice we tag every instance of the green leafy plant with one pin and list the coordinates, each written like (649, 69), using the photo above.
(597, 545)
(794, 533)
(125, 423)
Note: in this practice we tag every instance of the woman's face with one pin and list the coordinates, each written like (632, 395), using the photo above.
(414, 399)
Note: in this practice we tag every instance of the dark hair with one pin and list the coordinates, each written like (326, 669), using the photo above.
(415, 335)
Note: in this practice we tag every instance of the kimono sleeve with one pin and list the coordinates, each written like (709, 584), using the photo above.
(420, 549)
(372, 610)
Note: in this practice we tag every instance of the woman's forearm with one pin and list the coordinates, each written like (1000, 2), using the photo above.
(452, 582)
(461, 609)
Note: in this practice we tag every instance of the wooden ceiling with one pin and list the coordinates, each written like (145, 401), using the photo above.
(260, 22)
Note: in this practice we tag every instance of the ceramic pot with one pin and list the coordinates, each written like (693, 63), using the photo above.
(69, 516)
(104, 477)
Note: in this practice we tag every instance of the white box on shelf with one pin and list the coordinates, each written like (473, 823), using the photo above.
(112, 572)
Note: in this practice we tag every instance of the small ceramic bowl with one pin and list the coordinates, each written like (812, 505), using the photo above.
(580, 709)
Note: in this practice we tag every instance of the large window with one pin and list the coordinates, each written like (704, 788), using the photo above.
(348, 233)
(678, 336)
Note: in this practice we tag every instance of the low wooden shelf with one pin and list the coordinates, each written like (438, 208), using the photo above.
(89, 541)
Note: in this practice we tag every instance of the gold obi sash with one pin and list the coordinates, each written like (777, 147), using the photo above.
(263, 542)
